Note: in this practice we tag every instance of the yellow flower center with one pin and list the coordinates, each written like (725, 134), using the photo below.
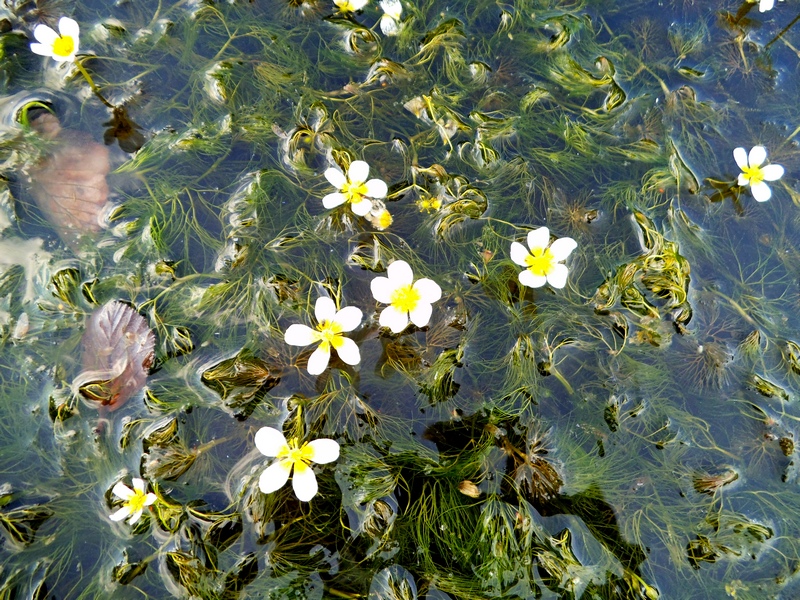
(354, 192)
(295, 455)
(345, 5)
(384, 219)
(754, 175)
(540, 261)
(328, 334)
(405, 298)
(136, 502)
(64, 45)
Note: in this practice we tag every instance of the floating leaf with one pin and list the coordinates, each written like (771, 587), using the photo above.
(117, 355)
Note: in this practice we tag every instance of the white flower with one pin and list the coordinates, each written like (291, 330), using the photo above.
(543, 260)
(62, 46)
(354, 188)
(406, 299)
(330, 325)
(765, 5)
(347, 6)
(753, 174)
(291, 455)
(390, 21)
(135, 500)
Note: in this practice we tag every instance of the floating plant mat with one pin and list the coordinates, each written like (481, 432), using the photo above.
(359, 365)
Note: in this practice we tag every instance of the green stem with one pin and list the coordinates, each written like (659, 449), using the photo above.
(92, 85)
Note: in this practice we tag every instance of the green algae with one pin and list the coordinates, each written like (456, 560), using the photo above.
(629, 436)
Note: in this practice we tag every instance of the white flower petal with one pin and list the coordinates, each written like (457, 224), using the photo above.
(45, 35)
(150, 499)
(318, 361)
(358, 4)
(389, 25)
(400, 273)
(324, 309)
(333, 200)
(421, 314)
(121, 514)
(135, 517)
(274, 476)
(539, 238)
(69, 27)
(270, 441)
(393, 319)
(740, 156)
(743, 179)
(392, 8)
(41, 49)
(429, 291)
(362, 207)
(348, 318)
(772, 172)
(138, 485)
(377, 188)
(761, 191)
(304, 483)
(758, 154)
(299, 335)
(349, 352)
(382, 289)
(563, 247)
(519, 253)
(325, 450)
(557, 277)
(69, 58)
(358, 171)
(765, 5)
(529, 279)
(120, 490)
(335, 177)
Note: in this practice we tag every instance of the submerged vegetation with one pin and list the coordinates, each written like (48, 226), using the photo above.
(454, 428)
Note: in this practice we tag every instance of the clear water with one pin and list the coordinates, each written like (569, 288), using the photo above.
(631, 435)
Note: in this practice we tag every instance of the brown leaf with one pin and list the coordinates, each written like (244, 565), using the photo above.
(117, 355)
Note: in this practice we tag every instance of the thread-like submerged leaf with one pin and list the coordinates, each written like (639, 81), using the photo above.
(117, 355)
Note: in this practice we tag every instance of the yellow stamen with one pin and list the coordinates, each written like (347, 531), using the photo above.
(754, 175)
(295, 455)
(328, 334)
(136, 502)
(405, 298)
(354, 192)
(540, 261)
(64, 45)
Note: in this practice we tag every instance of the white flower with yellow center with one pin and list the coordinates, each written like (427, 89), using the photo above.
(291, 456)
(390, 21)
(753, 174)
(407, 299)
(328, 332)
(135, 500)
(542, 260)
(354, 188)
(348, 6)
(62, 46)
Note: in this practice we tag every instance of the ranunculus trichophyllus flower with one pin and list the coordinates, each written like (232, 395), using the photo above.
(135, 500)
(753, 174)
(63, 45)
(354, 188)
(542, 260)
(348, 6)
(407, 299)
(292, 456)
(328, 332)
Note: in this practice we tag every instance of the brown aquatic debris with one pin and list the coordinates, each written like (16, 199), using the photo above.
(117, 355)
(69, 186)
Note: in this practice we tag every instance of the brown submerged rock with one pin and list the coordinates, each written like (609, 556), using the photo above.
(70, 186)
(117, 355)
